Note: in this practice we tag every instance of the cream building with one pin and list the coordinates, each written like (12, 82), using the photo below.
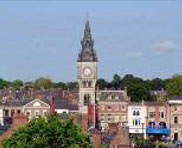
(137, 114)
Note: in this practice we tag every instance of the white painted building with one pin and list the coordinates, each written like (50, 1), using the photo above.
(137, 114)
(1, 117)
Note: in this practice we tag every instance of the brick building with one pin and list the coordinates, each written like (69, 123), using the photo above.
(112, 107)
(157, 120)
(175, 120)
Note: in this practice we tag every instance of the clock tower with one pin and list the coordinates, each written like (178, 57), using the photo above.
(87, 77)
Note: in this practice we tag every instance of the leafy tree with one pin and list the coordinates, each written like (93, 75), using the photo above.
(174, 86)
(139, 92)
(72, 85)
(130, 79)
(16, 84)
(4, 84)
(157, 84)
(48, 132)
(43, 83)
(101, 83)
(116, 81)
(61, 85)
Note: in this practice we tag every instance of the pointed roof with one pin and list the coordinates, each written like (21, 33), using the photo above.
(87, 53)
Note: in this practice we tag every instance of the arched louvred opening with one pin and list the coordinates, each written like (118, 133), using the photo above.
(89, 83)
(84, 83)
(86, 99)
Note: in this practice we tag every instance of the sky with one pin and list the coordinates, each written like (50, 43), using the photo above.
(42, 38)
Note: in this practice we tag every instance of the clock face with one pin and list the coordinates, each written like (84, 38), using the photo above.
(87, 71)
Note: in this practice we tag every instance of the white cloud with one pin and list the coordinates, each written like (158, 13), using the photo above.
(165, 47)
(135, 54)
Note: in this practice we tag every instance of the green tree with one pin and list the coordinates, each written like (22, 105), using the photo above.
(139, 92)
(43, 83)
(72, 85)
(61, 85)
(157, 84)
(4, 84)
(174, 86)
(130, 79)
(16, 84)
(116, 81)
(48, 132)
(101, 83)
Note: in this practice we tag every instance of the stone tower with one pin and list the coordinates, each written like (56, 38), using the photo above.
(87, 76)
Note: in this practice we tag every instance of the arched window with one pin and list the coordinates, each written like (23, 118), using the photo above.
(138, 113)
(134, 113)
(89, 83)
(86, 99)
(84, 83)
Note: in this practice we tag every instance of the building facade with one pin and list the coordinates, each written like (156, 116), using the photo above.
(175, 111)
(87, 77)
(137, 113)
(157, 120)
(112, 107)
(36, 108)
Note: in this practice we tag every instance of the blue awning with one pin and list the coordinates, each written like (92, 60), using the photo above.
(157, 131)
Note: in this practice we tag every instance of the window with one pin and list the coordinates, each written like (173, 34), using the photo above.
(176, 120)
(109, 107)
(152, 114)
(37, 113)
(113, 96)
(138, 113)
(45, 112)
(18, 111)
(6, 112)
(28, 113)
(136, 122)
(12, 112)
(134, 113)
(162, 114)
(175, 108)
(86, 99)
(109, 119)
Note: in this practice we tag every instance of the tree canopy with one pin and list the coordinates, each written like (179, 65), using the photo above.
(43, 83)
(48, 132)
(174, 86)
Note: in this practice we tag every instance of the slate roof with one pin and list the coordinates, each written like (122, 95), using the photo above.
(176, 98)
(61, 103)
(72, 106)
(20, 103)
(112, 95)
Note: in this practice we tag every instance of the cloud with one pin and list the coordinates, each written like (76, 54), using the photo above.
(165, 47)
(135, 54)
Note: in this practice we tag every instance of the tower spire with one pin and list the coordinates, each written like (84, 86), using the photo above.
(87, 53)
